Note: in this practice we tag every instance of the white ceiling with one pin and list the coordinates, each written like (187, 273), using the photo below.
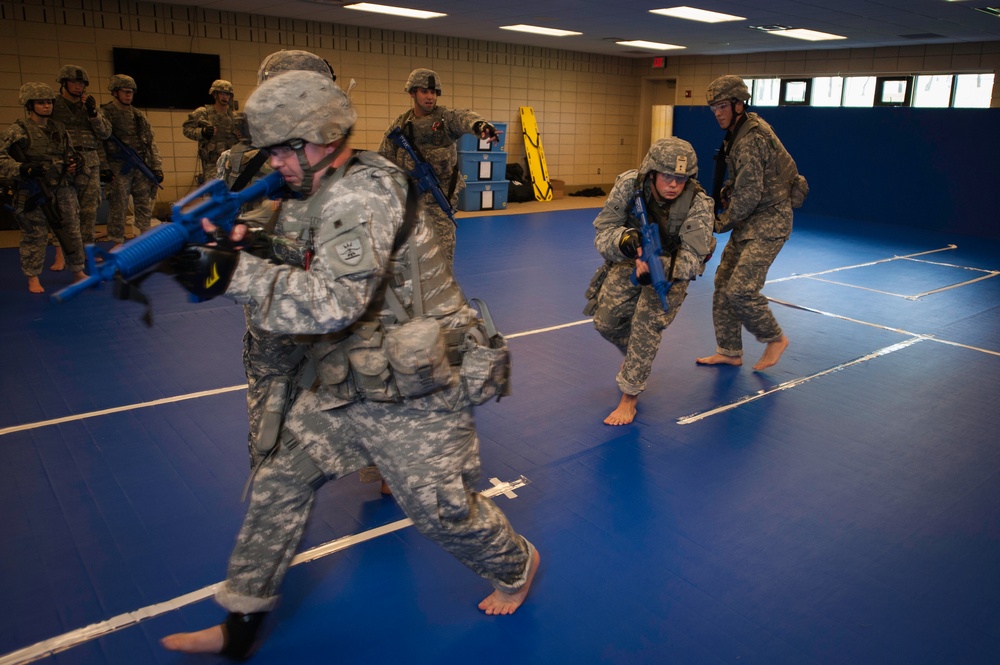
(865, 23)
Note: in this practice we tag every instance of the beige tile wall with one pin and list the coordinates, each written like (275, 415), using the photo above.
(587, 106)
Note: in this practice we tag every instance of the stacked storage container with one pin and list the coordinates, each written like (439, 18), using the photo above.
(484, 168)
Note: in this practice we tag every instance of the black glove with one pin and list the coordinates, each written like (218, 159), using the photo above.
(630, 242)
(483, 126)
(207, 132)
(30, 170)
(158, 175)
(107, 176)
(91, 106)
(205, 271)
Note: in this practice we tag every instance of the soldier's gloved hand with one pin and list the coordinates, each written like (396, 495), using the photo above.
(207, 132)
(107, 176)
(30, 170)
(91, 105)
(158, 175)
(205, 271)
(630, 242)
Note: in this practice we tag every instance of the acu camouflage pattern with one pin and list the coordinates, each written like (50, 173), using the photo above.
(434, 136)
(134, 130)
(425, 447)
(632, 317)
(759, 178)
(87, 135)
(48, 147)
(209, 150)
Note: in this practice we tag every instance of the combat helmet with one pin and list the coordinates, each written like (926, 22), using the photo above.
(33, 91)
(220, 85)
(423, 78)
(293, 60)
(726, 88)
(72, 73)
(119, 81)
(299, 105)
(672, 156)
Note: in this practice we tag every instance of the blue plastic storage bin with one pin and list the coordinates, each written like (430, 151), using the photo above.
(470, 143)
(476, 166)
(483, 195)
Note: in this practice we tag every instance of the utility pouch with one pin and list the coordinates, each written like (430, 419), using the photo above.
(275, 404)
(370, 367)
(800, 190)
(596, 282)
(486, 363)
(332, 368)
(419, 359)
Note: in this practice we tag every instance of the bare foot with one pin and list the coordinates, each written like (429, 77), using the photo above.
(210, 640)
(385, 489)
(625, 412)
(60, 261)
(35, 285)
(719, 359)
(79, 276)
(499, 602)
(772, 353)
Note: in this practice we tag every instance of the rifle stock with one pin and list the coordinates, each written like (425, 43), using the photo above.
(130, 159)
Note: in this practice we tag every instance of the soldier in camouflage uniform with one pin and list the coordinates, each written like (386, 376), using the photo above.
(376, 388)
(133, 129)
(87, 127)
(213, 128)
(39, 150)
(631, 316)
(432, 130)
(757, 181)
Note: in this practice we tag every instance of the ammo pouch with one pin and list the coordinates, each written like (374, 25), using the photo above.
(486, 362)
(800, 189)
(419, 359)
(596, 282)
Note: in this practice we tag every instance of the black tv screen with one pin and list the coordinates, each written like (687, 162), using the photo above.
(168, 79)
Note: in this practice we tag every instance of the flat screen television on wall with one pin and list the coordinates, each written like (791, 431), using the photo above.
(168, 79)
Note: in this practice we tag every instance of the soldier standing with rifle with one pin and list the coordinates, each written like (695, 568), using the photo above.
(134, 160)
(76, 109)
(38, 152)
(214, 128)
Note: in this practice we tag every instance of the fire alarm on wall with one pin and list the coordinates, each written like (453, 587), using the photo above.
(687, 94)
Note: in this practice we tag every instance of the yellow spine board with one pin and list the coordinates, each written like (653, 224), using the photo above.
(536, 156)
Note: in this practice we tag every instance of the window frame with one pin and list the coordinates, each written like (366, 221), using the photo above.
(880, 83)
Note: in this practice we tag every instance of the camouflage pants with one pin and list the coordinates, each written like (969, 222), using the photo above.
(444, 228)
(35, 234)
(271, 361)
(632, 318)
(427, 450)
(88, 192)
(143, 193)
(737, 301)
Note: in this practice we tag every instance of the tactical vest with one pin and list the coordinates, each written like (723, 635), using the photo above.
(781, 171)
(74, 116)
(47, 146)
(677, 214)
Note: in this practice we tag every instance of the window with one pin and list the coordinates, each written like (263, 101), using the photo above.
(795, 92)
(892, 91)
(827, 91)
(859, 91)
(932, 91)
(973, 91)
(765, 92)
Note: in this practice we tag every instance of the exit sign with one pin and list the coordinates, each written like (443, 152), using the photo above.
(659, 62)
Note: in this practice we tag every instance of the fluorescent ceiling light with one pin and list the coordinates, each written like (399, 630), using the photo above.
(534, 29)
(394, 11)
(656, 46)
(692, 14)
(808, 35)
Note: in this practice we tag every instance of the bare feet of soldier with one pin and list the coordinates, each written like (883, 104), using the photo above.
(79, 276)
(210, 640)
(719, 359)
(35, 285)
(385, 489)
(60, 261)
(625, 412)
(499, 602)
(772, 353)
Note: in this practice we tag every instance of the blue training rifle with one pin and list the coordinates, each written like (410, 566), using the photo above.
(221, 207)
(423, 174)
(130, 159)
(652, 250)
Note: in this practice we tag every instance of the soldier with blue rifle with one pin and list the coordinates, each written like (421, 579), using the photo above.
(390, 340)
(627, 312)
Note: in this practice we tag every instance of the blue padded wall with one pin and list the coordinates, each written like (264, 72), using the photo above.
(923, 168)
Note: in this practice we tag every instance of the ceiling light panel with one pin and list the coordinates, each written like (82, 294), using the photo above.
(393, 11)
(692, 14)
(536, 30)
(655, 46)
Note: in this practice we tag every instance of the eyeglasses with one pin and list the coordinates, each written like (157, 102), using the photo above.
(673, 179)
(718, 106)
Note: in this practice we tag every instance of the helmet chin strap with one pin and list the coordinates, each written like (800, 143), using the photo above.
(309, 170)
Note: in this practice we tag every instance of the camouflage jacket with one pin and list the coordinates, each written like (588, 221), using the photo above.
(133, 129)
(224, 138)
(691, 226)
(759, 176)
(48, 146)
(433, 136)
(86, 133)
